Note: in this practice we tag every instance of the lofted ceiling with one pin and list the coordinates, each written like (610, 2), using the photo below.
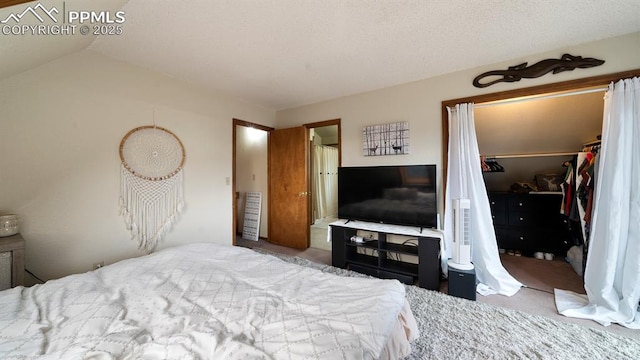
(288, 53)
(540, 124)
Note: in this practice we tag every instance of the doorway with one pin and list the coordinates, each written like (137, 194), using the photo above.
(324, 162)
(248, 171)
(250, 142)
(325, 134)
(290, 189)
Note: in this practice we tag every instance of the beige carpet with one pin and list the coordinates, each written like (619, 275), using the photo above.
(454, 328)
(541, 277)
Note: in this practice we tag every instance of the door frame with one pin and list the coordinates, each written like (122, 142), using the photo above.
(309, 126)
(234, 207)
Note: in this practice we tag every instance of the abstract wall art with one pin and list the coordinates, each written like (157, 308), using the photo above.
(386, 139)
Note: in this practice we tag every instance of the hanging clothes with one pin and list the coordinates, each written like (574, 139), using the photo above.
(612, 274)
(578, 194)
(567, 188)
(583, 178)
(490, 165)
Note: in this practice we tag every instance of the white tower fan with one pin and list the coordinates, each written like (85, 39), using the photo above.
(461, 235)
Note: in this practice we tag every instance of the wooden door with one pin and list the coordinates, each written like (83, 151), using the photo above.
(289, 188)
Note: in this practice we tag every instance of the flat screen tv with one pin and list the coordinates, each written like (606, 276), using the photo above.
(400, 195)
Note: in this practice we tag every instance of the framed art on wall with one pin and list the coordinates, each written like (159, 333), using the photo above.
(386, 139)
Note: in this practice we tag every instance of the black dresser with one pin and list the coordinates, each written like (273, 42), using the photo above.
(530, 222)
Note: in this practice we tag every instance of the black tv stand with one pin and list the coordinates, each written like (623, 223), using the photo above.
(384, 257)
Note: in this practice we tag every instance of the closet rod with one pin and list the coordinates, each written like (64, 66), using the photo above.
(530, 155)
(549, 96)
(594, 142)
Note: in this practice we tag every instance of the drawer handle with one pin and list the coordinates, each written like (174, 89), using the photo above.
(521, 237)
(519, 204)
(521, 219)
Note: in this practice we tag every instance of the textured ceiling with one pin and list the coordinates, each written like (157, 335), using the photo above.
(287, 53)
(22, 52)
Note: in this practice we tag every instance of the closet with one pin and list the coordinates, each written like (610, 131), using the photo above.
(529, 147)
(525, 153)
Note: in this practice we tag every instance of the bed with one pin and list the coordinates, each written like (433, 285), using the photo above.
(206, 301)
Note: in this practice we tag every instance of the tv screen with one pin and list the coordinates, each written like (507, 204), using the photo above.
(401, 195)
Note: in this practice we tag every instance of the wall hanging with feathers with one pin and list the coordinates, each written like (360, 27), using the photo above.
(151, 183)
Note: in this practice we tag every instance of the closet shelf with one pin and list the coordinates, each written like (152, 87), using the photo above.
(530, 155)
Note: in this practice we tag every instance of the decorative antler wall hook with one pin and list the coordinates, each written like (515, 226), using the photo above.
(516, 73)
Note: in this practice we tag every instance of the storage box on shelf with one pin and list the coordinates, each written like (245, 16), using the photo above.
(530, 222)
(383, 258)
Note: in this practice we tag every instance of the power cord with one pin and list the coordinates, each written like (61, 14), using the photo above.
(410, 242)
(34, 276)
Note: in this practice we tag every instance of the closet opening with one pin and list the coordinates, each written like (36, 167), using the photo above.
(530, 140)
(533, 154)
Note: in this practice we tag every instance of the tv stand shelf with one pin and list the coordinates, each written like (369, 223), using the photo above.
(383, 258)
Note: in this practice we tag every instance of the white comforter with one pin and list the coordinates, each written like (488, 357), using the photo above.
(200, 301)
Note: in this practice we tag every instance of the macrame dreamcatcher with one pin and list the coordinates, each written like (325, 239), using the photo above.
(151, 183)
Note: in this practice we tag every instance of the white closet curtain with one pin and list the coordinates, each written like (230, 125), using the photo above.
(464, 180)
(612, 274)
(325, 182)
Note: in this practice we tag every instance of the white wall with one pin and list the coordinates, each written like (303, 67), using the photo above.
(542, 125)
(61, 125)
(419, 102)
(60, 128)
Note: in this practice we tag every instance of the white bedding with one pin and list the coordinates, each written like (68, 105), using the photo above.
(200, 301)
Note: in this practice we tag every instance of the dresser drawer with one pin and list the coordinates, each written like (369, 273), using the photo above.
(535, 210)
(499, 217)
(524, 219)
(554, 241)
(520, 204)
(529, 222)
(498, 205)
(523, 240)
